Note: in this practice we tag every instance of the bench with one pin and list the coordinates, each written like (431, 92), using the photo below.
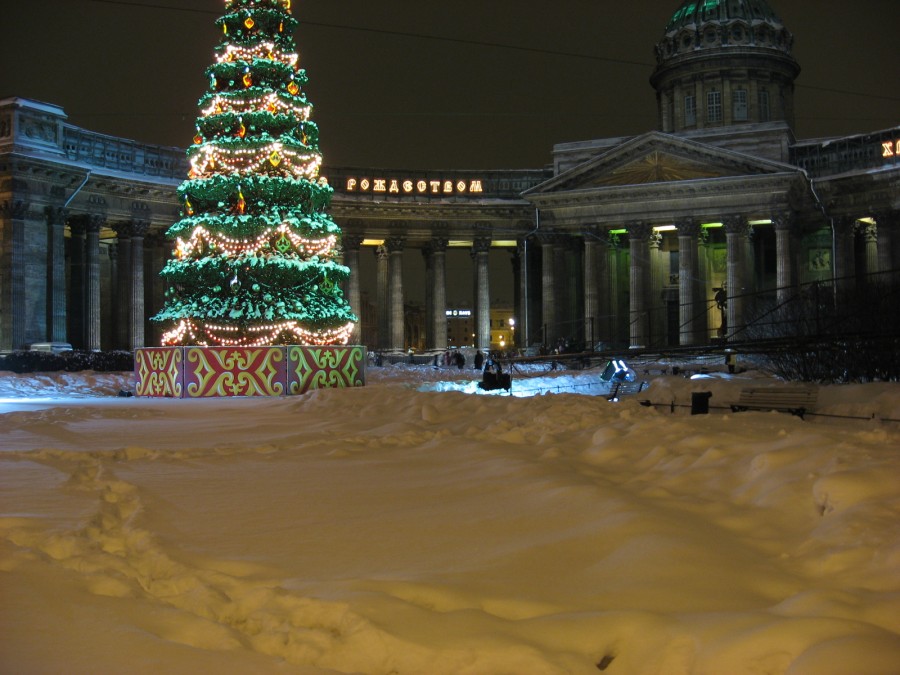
(795, 400)
(620, 389)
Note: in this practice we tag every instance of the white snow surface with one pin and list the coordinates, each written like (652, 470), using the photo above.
(407, 527)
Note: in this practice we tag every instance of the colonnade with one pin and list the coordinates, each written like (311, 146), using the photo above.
(390, 294)
(596, 284)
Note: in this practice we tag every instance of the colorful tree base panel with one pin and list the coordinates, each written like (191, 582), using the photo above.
(204, 372)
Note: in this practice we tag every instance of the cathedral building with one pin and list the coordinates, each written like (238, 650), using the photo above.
(674, 237)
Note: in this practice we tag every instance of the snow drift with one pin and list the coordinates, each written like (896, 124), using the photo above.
(391, 530)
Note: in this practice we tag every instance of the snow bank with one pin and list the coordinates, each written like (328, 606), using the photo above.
(392, 530)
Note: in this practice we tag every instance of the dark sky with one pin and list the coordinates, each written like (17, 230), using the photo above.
(388, 95)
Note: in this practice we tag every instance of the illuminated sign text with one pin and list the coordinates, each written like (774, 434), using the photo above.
(890, 149)
(408, 186)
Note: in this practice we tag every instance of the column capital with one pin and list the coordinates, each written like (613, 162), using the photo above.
(481, 245)
(122, 229)
(688, 227)
(128, 229)
(351, 242)
(784, 220)
(736, 224)
(139, 228)
(435, 245)
(394, 244)
(89, 223)
(17, 209)
(639, 230)
(56, 215)
(868, 230)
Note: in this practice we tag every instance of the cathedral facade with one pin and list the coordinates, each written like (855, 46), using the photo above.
(675, 237)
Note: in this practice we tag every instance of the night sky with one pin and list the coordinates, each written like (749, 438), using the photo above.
(502, 86)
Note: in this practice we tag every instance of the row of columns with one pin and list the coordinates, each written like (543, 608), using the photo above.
(390, 297)
(78, 303)
(128, 279)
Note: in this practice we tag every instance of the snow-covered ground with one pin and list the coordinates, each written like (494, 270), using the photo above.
(407, 527)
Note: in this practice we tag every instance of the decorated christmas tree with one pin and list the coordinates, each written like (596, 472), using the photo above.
(254, 262)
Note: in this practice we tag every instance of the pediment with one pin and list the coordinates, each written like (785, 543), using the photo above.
(657, 158)
(657, 166)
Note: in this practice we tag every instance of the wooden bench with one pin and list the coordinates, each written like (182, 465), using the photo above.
(795, 400)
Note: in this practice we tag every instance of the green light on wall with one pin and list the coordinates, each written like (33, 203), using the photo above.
(710, 226)
(618, 231)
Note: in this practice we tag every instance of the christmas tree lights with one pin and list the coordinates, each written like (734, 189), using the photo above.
(254, 260)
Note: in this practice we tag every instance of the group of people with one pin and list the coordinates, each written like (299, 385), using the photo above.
(454, 358)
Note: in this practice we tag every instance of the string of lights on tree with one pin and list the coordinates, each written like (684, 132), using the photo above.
(255, 250)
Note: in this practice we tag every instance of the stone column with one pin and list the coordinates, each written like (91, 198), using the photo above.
(395, 273)
(92, 282)
(591, 291)
(736, 230)
(351, 244)
(526, 308)
(869, 232)
(160, 251)
(609, 296)
(888, 223)
(639, 282)
(481, 249)
(562, 297)
(516, 262)
(76, 311)
(123, 290)
(548, 292)
(429, 295)
(13, 304)
(657, 332)
(844, 264)
(56, 274)
(689, 306)
(786, 279)
(703, 318)
(136, 315)
(438, 327)
(574, 265)
(383, 297)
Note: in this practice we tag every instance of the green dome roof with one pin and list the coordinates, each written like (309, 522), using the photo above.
(700, 27)
(693, 13)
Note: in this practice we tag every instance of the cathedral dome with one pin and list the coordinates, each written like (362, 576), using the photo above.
(726, 46)
(697, 12)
